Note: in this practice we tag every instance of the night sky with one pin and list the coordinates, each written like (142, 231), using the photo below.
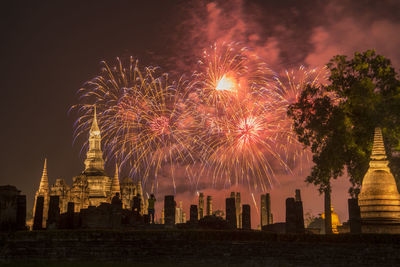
(49, 49)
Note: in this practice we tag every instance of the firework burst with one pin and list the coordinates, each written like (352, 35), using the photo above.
(228, 72)
(285, 91)
(231, 118)
(143, 118)
(239, 146)
(238, 123)
(247, 134)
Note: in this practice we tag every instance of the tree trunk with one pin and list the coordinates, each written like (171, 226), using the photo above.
(328, 214)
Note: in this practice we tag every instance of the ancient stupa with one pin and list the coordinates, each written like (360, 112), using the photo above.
(379, 198)
(335, 221)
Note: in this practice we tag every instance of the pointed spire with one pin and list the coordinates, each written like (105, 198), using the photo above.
(44, 181)
(94, 156)
(378, 148)
(115, 187)
(378, 155)
(95, 126)
(116, 172)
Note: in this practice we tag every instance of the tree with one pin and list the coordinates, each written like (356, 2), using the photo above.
(337, 120)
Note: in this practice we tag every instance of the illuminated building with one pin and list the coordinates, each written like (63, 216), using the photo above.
(92, 187)
(379, 199)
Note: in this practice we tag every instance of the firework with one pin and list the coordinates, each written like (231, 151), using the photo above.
(230, 119)
(286, 91)
(143, 118)
(238, 146)
(229, 72)
(289, 87)
(237, 121)
(247, 134)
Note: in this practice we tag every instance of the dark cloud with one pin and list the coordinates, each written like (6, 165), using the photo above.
(289, 33)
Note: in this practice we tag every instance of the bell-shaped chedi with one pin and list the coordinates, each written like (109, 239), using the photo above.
(379, 198)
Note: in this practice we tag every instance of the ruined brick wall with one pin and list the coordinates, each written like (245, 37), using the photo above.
(201, 247)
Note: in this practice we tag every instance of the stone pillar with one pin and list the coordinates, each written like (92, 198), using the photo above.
(193, 214)
(294, 214)
(116, 212)
(70, 215)
(21, 212)
(169, 210)
(354, 216)
(209, 205)
(54, 212)
(297, 196)
(238, 210)
(230, 211)
(246, 217)
(299, 217)
(136, 206)
(263, 211)
(201, 206)
(116, 202)
(8, 207)
(38, 216)
(290, 215)
(178, 213)
(181, 212)
(268, 208)
(299, 213)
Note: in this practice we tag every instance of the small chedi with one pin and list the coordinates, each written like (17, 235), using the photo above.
(90, 188)
(379, 199)
(335, 222)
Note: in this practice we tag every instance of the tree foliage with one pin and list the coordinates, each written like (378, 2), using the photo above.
(337, 120)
